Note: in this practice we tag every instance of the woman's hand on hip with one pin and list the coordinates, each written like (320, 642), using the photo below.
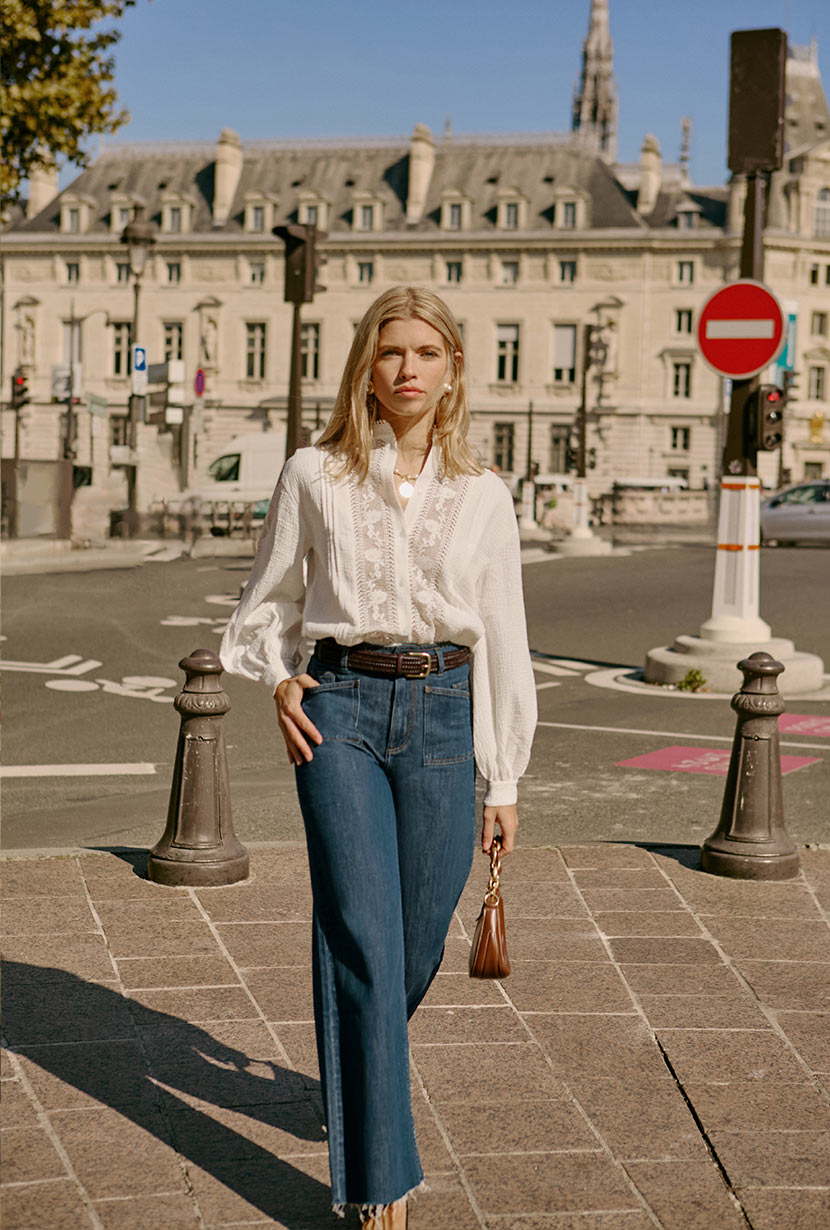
(293, 722)
(507, 818)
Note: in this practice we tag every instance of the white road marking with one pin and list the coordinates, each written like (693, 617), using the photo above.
(571, 663)
(549, 668)
(139, 769)
(739, 328)
(71, 664)
(665, 734)
(540, 687)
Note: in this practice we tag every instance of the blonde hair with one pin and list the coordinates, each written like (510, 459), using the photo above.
(348, 433)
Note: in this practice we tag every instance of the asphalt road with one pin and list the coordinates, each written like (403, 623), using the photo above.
(108, 644)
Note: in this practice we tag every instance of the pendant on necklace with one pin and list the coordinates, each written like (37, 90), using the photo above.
(406, 489)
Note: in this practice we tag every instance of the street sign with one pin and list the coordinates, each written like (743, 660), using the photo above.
(96, 404)
(199, 382)
(741, 329)
(139, 370)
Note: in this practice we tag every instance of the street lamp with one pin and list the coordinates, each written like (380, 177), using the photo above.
(581, 539)
(139, 235)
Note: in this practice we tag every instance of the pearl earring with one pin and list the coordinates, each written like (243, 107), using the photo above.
(448, 387)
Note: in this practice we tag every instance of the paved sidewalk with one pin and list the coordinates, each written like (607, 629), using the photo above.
(660, 1056)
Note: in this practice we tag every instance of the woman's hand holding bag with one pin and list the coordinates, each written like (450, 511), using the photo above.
(488, 955)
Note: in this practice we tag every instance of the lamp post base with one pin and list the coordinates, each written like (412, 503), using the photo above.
(716, 661)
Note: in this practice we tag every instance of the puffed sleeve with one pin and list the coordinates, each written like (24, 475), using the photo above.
(504, 691)
(264, 637)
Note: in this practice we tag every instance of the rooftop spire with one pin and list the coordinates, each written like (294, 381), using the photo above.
(595, 98)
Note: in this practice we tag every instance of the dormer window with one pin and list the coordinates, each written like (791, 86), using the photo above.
(455, 211)
(367, 213)
(569, 209)
(259, 212)
(122, 208)
(511, 210)
(313, 211)
(175, 213)
(76, 213)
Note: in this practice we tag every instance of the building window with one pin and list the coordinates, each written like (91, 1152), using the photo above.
(174, 273)
(255, 351)
(73, 271)
(559, 437)
(681, 379)
(122, 272)
(569, 215)
(312, 213)
(125, 215)
(683, 320)
(813, 469)
(817, 383)
(119, 430)
(122, 334)
(454, 216)
(173, 340)
(74, 220)
(686, 272)
(175, 219)
(511, 215)
(686, 220)
(680, 439)
(564, 354)
(567, 271)
(258, 218)
(367, 217)
(827, 275)
(509, 273)
(507, 364)
(675, 472)
(310, 351)
(818, 324)
(821, 223)
(503, 446)
(257, 272)
(454, 271)
(814, 275)
(365, 272)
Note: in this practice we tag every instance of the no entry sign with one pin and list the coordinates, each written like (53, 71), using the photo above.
(741, 329)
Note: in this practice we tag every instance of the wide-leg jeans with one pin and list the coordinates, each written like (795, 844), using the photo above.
(388, 803)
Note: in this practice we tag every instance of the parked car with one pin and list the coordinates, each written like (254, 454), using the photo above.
(797, 514)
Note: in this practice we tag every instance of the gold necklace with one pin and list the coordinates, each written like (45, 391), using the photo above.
(407, 489)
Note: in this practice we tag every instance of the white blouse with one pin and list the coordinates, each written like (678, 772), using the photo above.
(341, 559)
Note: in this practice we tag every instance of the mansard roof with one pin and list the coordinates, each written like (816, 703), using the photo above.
(538, 167)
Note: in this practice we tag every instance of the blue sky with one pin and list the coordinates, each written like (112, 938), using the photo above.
(187, 68)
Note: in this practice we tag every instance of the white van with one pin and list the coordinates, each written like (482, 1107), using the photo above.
(247, 470)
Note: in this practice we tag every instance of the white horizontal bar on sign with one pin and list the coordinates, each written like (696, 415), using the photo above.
(724, 329)
(139, 769)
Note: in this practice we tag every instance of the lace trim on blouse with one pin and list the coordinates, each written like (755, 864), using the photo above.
(374, 538)
(429, 543)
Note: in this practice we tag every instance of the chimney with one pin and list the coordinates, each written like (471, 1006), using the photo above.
(226, 172)
(650, 174)
(421, 162)
(43, 188)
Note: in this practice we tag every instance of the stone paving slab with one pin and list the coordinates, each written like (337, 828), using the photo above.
(660, 1056)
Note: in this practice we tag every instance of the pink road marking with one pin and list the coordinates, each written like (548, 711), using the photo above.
(679, 759)
(805, 723)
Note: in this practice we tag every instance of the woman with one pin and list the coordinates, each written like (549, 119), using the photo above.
(389, 546)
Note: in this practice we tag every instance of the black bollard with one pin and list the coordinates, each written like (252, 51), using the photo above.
(751, 842)
(199, 847)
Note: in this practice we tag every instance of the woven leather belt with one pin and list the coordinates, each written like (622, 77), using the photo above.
(411, 664)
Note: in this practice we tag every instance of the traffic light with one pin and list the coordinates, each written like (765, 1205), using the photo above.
(790, 389)
(301, 260)
(592, 458)
(570, 459)
(765, 417)
(20, 390)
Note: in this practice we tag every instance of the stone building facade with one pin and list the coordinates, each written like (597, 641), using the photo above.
(528, 237)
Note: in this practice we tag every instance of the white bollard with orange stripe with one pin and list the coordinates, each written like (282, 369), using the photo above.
(735, 598)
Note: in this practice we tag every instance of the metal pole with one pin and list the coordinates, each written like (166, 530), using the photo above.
(295, 394)
(67, 437)
(529, 466)
(582, 413)
(132, 432)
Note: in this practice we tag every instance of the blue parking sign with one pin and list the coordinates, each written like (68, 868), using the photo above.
(139, 358)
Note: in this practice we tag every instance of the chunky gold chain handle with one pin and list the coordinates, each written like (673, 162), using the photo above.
(495, 872)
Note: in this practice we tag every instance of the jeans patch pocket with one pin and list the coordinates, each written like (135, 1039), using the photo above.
(334, 709)
(448, 725)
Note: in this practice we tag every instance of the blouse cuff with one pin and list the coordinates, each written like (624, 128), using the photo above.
(501, 794)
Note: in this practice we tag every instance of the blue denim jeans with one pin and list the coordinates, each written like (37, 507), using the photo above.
(389, 809)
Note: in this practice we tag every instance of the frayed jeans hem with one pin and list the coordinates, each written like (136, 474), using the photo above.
(375, 1210)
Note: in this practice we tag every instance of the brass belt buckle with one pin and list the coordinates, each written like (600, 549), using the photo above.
(425, 668)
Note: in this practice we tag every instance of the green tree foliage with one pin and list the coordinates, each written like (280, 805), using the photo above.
(55, 74)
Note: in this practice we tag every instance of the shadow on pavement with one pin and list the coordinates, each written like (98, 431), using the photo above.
(145, 1064)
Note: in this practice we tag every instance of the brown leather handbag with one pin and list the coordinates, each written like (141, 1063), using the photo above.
(488, 955)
